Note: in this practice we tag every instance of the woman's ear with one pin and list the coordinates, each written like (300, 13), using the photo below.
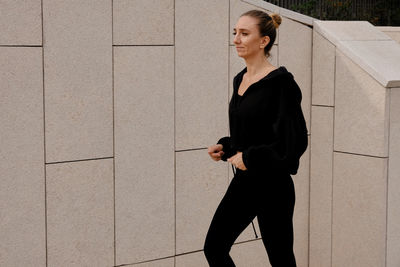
(265, 41)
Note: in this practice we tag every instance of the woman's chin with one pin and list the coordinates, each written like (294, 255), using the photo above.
(241, 54)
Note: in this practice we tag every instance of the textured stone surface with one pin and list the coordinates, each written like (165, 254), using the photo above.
(323, 67)
(80, 217)
(201, 72)
(22, 188)
(20, 22)
(361, 111)
(78, 80)
(393, 230)
(359, 210)
(252, 253)
(284, 12)
(349, 30)
(143, 22)
(297, 58)
(321, 186)
(381, 59)
(196, 259)
(395, 35)
(200, 185)
(168, 262)
(371, 49)
(263, 4)
(144, 153)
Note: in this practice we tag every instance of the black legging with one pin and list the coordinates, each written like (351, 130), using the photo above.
(271, 198)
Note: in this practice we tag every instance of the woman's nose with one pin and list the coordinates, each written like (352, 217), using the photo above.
(235, 39)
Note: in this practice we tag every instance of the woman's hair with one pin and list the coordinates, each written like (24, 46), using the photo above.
(267, 25)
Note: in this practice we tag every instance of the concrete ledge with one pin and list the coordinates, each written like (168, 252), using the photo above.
(389, 28)
(282, 11)
(371, 49)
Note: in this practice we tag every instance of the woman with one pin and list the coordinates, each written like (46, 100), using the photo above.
(268, 135)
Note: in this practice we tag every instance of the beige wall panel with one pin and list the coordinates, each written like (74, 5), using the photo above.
(321, 186)
(302, 208)
(144, 152)
(200, 185)
(237, 8)
(196, 259)
(143, 22)
(361, 111)
(201, 72)
(78, 79)
(22, 196)
(20, 22)
(393, 231)
(394, 35)
(297, 58)
(359, 210)
(250, 254)
(80, 217)
(323, 67)
(168, 262)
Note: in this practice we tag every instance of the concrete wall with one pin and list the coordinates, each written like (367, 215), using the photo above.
(354, 148)
(107, 109)
(393, 32)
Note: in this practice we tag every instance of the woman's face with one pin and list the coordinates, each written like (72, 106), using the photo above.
(247, 38)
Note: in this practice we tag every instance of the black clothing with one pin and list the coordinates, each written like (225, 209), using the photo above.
(267, 123)
(272, 201)
(268, 126)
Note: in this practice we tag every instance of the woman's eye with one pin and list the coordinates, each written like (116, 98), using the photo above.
(243, 33)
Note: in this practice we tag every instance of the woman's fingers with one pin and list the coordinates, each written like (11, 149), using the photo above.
(215, 152)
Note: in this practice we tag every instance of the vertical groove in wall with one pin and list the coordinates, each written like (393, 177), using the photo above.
(44, 140)
(333, 153)
(113, 110)
(387, 176)
(174, 41)
(309, 161)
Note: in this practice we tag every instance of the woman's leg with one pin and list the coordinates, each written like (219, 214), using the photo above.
(234, 213)
(275, 219)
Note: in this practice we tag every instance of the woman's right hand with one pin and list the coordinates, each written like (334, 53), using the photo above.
(215, 152)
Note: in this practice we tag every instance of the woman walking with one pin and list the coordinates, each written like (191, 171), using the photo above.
(268, 135)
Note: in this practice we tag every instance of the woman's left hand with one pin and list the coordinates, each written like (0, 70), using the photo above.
(237, 161)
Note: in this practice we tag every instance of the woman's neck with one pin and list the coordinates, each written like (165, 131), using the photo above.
(256, 65)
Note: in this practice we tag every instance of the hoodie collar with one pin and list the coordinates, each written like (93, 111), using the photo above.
(276, 72)
(280, 72)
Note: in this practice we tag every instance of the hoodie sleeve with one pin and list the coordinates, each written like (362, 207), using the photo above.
(226, 147)
(291, 138)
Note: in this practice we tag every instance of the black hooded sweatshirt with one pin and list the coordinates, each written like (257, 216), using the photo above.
(267, 123)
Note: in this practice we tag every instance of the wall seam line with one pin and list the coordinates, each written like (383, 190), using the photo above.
(113, 115)
(174, 37)
(44, 139)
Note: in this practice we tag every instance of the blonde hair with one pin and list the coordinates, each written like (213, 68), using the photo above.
(267, 25)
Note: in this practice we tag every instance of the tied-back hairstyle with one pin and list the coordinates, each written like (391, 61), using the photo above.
(267, 25)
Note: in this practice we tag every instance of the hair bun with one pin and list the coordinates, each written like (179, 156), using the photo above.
(277, 20)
